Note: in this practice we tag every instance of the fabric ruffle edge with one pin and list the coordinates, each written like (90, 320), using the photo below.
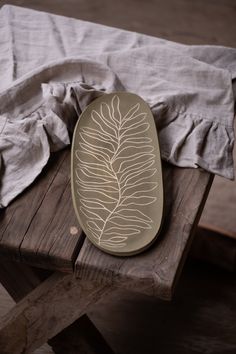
(186, 140)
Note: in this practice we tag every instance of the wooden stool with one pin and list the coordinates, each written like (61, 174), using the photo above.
(50, 268)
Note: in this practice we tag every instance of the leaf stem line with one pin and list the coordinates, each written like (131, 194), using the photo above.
(118, 184)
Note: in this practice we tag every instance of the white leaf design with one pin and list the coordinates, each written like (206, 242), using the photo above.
(115, 164)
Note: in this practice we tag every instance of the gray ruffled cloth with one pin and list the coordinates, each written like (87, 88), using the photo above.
(52, 67)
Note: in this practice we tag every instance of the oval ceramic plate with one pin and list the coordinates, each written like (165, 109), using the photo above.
(116, 174)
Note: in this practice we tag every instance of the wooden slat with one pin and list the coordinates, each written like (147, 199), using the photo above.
(15, 219)
(40, 226)
(155, 271)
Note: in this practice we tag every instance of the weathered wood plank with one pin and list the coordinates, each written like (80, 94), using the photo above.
(16, 218)
(155, 271)
(40, 227)
(37, 317)
(54, 233)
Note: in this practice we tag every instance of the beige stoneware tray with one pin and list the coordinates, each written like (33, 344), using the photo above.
(116, 173)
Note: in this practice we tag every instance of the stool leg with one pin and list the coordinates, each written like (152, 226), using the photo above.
(20, 279)
(47, 310)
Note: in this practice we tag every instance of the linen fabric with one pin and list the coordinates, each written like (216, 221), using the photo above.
(52, 67)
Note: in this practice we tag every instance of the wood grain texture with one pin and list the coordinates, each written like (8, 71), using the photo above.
(38, 316)
(40, 227)
(155, 271)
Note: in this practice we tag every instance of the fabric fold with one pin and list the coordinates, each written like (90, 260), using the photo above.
(30, 143)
